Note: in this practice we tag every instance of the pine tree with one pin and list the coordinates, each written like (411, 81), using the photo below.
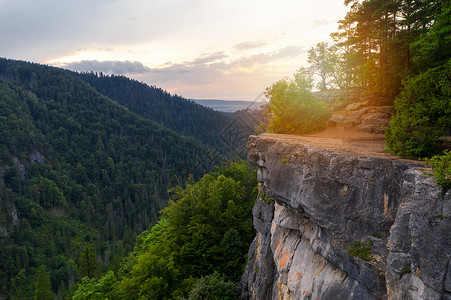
(43, 289)
(88, 263)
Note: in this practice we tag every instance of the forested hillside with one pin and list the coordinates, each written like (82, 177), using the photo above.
(80, 177)
(198, 248)
(172, 111)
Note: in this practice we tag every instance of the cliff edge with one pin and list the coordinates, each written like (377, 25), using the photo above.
(337, 218)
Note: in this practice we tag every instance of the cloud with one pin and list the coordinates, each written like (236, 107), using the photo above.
(249, 45)
(208, 58)
(290, 51)
(188, 73)
(212, 66)
(205, 72)
(265, 58)
(109, 67)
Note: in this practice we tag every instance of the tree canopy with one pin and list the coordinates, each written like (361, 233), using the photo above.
(293, 108)
(197, 249)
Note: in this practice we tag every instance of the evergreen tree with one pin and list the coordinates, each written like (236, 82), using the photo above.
(88, 263)
(43, 289)
(423, 109)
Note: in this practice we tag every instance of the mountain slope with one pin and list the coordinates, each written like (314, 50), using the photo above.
(177, 113)
(77, 170)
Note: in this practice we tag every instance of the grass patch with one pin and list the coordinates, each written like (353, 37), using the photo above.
(405, 271)
(362, 250)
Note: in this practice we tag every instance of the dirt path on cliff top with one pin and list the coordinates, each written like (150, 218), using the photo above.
(343, 140)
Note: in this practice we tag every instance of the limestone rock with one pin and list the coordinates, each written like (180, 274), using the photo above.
(21, 168)
(348, 119)
(36, 156)
(325, 201)
(374, 118)
(369, 128)
(354, 106)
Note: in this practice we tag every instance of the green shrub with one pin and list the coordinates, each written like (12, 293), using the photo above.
(361, 250)
(441, 168)
(293, 108)
(423, 114)
(405, 271)
(213, 287)
(376, 235)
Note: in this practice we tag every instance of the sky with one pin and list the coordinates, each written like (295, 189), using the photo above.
(198, 49)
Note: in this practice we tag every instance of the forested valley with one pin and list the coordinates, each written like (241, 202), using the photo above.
(81, 176)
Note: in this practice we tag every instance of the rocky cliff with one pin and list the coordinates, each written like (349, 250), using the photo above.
(336, 222)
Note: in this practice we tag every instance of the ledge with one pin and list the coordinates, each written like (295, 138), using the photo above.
(343, 140)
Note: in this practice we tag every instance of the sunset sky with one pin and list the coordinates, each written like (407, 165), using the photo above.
(204, 49)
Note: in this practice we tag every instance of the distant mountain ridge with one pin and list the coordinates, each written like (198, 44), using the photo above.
(228, 106)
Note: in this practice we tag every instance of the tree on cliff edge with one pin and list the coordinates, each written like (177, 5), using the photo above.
(324, 62)
(423, 109)
(293, 108)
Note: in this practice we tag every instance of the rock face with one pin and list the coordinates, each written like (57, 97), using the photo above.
(355, 108)
(318, 206)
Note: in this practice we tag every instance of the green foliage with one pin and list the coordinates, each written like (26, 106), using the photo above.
(433, 48)
(293, 109)
(206, 228)
(324, 62)
(376, 39)
(394, 46)
(242, 172)
(362, 250)
(46, 192)
(232, 252)
(263, 197)
(285, 159)
(441, 168)
(77, 168)
(423, 114)
(89, 288)
(43, 288)
(423, 109)
(405, 271)
(213, 287)
(172, 111)
(376, 235)
(88, 262)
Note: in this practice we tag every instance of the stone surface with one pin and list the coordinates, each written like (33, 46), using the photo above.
(348, 118)
(358, 109)
(321, 201)
(21, 168)
(354, 106)
(374, 118)
(258, 275)
(368, 128)
(36, 156)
